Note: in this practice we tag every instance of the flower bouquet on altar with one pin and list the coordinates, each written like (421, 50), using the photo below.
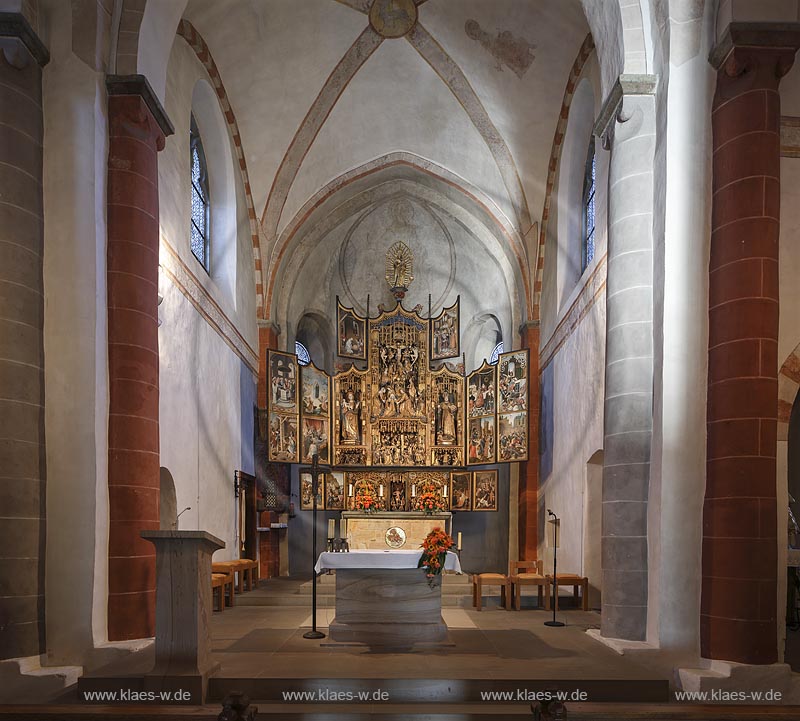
(430, 502)
(366, 500)
(429, 498)
(434, 554)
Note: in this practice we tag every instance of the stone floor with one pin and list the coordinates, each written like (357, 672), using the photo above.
(259, 644)
(262, 637)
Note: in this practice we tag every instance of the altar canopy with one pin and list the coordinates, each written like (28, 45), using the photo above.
(399, 410)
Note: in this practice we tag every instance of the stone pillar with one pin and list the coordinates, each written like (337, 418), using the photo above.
(22, 449)
(628, 407)
(738, 614)
(137, 129)
(183, 605)
(528, 521)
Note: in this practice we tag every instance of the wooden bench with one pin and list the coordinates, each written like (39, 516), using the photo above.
(220, 582)
(577, 582)
(246, 572)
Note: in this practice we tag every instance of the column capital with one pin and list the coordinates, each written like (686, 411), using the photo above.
(528, 325)
(16, 25)
(756, 39)
(121, 85)
(269, 326)
(626, 85)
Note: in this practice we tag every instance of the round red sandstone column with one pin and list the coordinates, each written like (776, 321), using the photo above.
(133, 439)
(738, 603)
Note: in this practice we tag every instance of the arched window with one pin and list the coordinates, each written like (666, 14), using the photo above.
(588, 207)
(303, 356)
(200, 201)
(498, 349)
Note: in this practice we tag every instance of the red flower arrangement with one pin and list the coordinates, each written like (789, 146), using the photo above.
(429, 498)
(434, 553)
(429, 502)
(366, 500)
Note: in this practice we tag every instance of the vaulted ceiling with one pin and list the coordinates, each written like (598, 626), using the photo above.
(320, 87)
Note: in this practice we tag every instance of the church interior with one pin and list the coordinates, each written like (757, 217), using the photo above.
(418, 348)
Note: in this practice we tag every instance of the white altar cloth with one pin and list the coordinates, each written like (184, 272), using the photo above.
(379, 559)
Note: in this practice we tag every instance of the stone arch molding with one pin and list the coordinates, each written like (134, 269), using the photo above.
(375, 182)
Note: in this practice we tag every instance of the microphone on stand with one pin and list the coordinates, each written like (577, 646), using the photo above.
(555, 522)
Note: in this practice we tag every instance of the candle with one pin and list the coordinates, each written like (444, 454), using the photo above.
(444, 491)
(343, 527)
(350, 490)
(380, 490)
(458, 545)
(413, 490)
(331, 528)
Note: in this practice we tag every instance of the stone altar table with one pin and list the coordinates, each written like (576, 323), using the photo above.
(383, 599)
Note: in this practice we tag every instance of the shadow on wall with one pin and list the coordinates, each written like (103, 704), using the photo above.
(794, 454)
(592, 527)
(167, 501)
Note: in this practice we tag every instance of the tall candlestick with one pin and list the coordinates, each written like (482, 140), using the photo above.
(458, 545)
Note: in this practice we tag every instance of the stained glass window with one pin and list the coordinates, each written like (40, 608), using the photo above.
(498, 349)
(303, 357)
(199, 235)
(589, 207)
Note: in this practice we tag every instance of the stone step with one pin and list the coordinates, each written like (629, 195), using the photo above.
(329, 600)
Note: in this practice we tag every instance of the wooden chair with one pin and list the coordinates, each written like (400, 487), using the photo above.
(479, 580)
(577, 582)
(220, 582)
(529, 573)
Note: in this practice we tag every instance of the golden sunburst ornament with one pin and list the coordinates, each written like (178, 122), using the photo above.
(399, 268)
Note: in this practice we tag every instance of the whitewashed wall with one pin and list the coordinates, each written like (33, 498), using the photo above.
(573, 322)
(207, 391)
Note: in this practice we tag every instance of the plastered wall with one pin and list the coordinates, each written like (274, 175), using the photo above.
(207, 391)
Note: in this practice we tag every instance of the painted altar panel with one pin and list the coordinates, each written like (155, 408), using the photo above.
(314, 414)
(512, 419)
(351, 331)
(283, 407)
(481, 415)
(445, 333)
